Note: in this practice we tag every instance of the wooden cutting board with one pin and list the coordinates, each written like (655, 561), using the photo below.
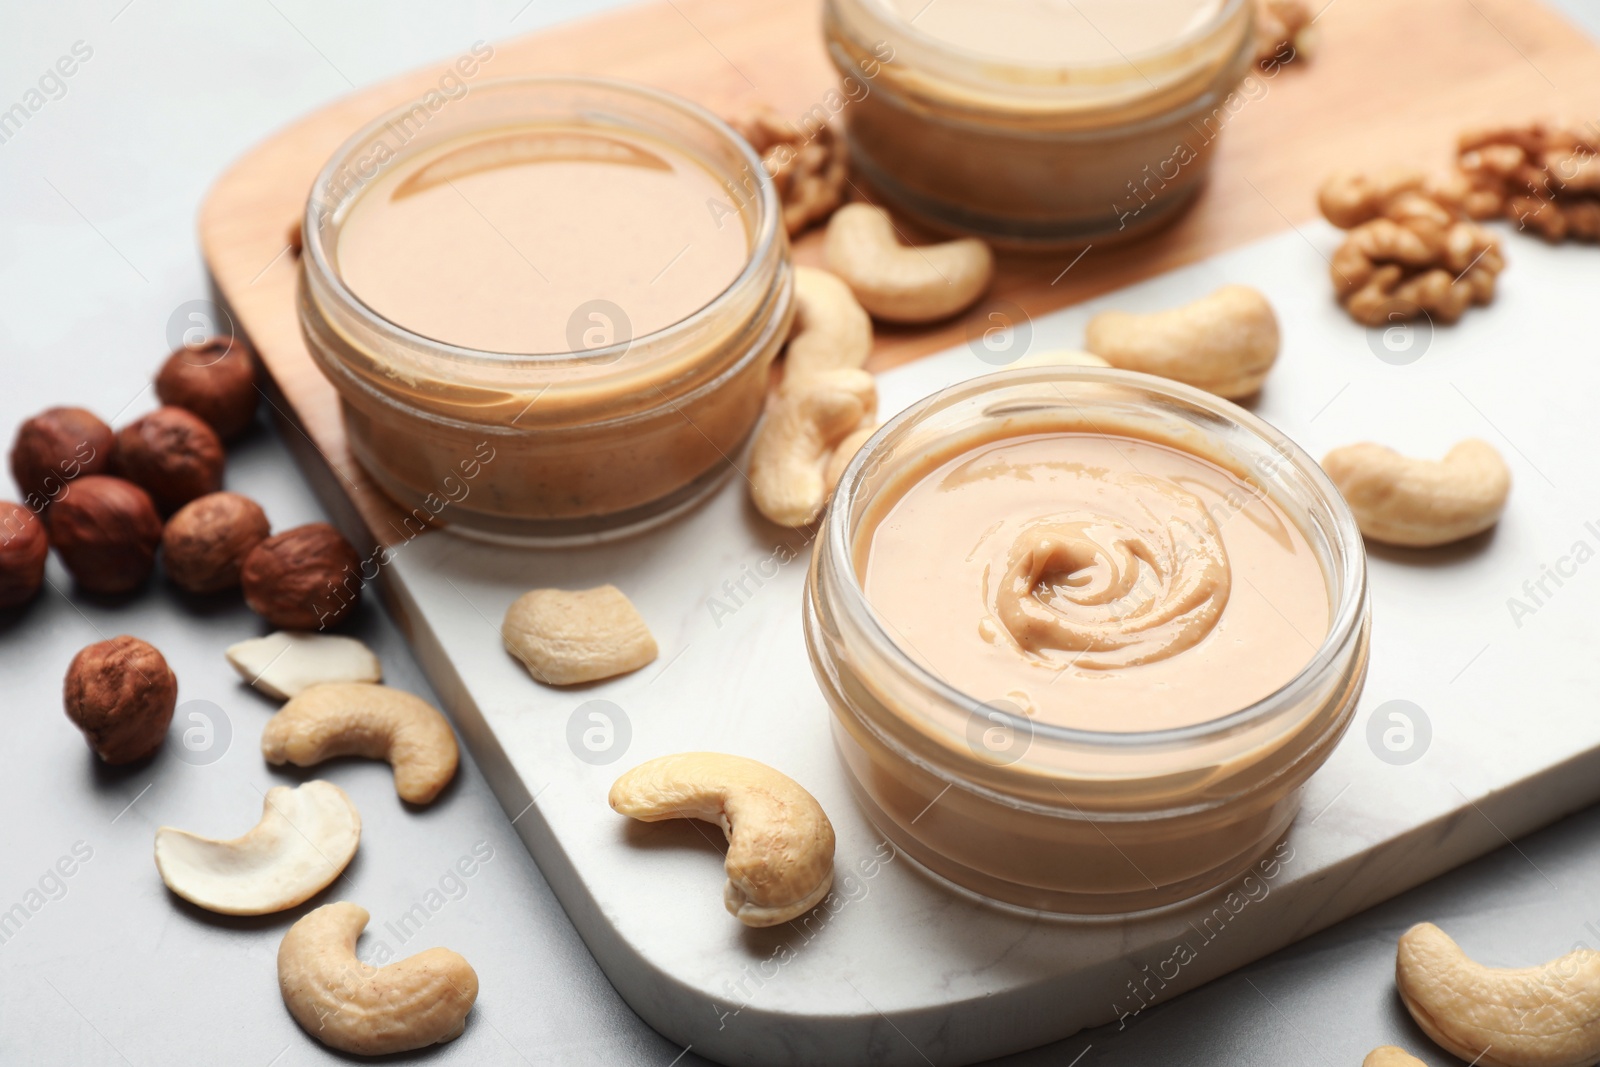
(1389, 82)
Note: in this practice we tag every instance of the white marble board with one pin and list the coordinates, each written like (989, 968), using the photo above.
(899, 970)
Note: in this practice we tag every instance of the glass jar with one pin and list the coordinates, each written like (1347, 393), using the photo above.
(617, 434)
(1027, 153)
(1079, 821)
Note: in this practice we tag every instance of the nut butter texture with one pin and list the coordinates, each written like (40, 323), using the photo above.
(498, 243)
(1092, 581)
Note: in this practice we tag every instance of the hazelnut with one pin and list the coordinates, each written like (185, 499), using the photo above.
(216, 381)
(56, 446)
(173, 455)
(307, 578)
(121, 693)
(106, 530)
(205, 543)
(24, 546)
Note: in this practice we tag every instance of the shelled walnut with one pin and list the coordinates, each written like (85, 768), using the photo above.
(809, 167)
(1544, 176)
(1411, 249)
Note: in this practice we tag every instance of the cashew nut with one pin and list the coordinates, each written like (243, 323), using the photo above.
(284, 665)
(843, 453)
(1389, 1056)
(375, 721)
(831, 329)
(788, 463)
(1545, 1016)
(780, 843)
(899, 283)
(566, 636)
(305, 838)
(355, 1007)
(824, 399)
(1421, 502)
(1224, 343)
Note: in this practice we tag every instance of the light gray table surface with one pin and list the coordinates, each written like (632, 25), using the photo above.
(99, 189)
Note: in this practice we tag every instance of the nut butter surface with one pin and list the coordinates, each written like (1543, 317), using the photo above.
(1093, 581)
(499, 243)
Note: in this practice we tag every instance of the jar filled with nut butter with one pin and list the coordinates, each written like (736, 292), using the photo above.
(549, 307)
(1039, 124)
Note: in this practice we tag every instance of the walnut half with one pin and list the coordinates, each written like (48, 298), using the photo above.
(1412, 250)
(808, 166)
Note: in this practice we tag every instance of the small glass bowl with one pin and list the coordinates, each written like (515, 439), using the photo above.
(1077, 821)
(1034, 156)
(555, 448)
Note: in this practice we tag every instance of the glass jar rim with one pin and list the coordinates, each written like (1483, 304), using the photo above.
(1344, 625)
(768, 230)
(881, 10)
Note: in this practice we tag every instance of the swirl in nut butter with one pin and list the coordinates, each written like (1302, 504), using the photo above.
(1145, 579)
(1094, 581)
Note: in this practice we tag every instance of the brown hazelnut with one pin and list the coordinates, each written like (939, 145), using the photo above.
(121, 693)
(216, 381)
(24, 546)
(56, 446)
(106, 530)
(205, 543)
(307, 578)
(173, 455)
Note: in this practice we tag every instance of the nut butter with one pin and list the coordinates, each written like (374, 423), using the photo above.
(1034, 123)
(1085, 633)
(550, 308)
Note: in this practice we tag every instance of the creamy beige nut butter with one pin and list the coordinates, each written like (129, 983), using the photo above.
(449, 244)
(1085, 633)
(1036, 122)
(549, 310)
(1094, 581)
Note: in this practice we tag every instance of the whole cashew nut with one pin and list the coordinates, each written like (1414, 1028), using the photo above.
(899, 283)
(832, 331)
(1224, 343)
(1545, 1016)
(1389, 1056)
(305, 839)
(355, 1007)
(1421, 502)
(788, 463)
(780, 843)
(375, 721)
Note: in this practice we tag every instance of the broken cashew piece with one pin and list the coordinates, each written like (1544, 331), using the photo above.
(355, 1007)
(565, 637)
(374, 721)
(1224, 343)
(1421, 503)
(304, 840)
(899, 283)
(780, 843)
(788, 463)
(1545, 1016)
(1390, 1056)
(284, 665)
